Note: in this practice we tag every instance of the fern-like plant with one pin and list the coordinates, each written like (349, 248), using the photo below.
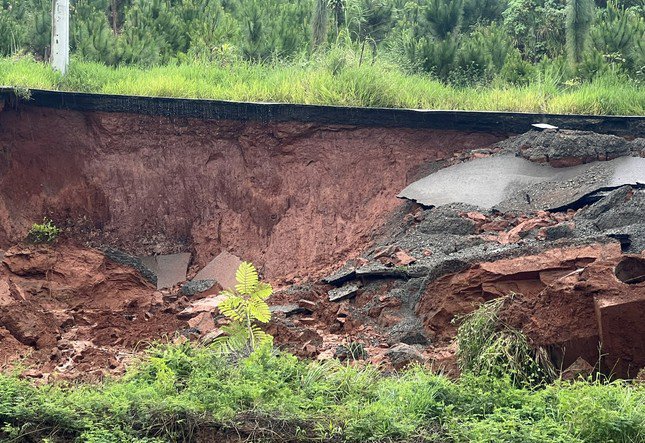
(245, 306)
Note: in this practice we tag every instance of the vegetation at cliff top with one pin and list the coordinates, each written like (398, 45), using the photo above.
(377, 85)
(578, 56)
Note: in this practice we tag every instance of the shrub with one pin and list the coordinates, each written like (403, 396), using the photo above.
(45, 232)
(181, 391)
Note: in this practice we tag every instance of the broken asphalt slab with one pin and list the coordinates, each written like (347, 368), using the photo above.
(168, 269)
(137, 263)
(195, 287)
(222, 269)
(346, 291)
(510, 183)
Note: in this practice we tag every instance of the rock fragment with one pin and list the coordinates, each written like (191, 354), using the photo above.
(203, 322)
(209, 304)
(341, 276)
(403, 355)
(195, 287)
(5, 294)
(288, 310)
(578, 369)
(344, 292)
(622, 330)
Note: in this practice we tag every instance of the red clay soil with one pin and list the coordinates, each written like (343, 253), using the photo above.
(69, 310)
(566, 299)
(294, 198)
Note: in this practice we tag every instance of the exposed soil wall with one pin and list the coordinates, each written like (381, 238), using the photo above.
(293, 197)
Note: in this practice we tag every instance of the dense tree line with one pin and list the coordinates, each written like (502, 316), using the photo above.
(460, 41)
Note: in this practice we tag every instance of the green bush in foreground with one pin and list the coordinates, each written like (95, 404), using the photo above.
(181, 391)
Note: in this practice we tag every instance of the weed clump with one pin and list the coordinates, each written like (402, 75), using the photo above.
(45, 232)
(191, 393)
(487, 346)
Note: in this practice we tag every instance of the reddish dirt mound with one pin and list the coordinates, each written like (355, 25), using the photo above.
(568, 300)
(292, 197)
(70, 310)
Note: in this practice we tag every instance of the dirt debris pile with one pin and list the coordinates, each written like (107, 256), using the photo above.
(69, 309)
(573, 272)
(565, 148)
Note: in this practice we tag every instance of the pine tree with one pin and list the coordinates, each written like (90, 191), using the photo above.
(444, 17)
(579, 18)
(319, 24)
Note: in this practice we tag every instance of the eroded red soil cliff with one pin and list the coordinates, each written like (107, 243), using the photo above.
(302, 202)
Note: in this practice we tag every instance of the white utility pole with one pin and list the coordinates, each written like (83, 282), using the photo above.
(60, 35)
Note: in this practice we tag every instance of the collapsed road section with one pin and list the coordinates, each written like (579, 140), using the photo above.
(157, 212)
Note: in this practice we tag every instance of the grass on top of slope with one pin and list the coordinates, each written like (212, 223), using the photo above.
(377, 85)
(189, 393)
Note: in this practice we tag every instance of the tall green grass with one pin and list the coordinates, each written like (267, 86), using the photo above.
(379, 85)
(182, 391)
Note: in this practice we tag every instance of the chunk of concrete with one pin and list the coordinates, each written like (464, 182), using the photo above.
(378, 270)
(195, 287)
(150, 262)
(341, 276)
(510, 183)
(221, 269)
(147, 266)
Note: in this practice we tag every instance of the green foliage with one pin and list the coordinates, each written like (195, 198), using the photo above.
(371, 20)
(618, 35)
(488, 347)
(45, 232)
(178, 392)
(580, 14)
(246, 306)
(444, 17)
(336, 79)
(483, 11)
(319, 23)
(435, 56)
(537, 27)
(460, 42)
